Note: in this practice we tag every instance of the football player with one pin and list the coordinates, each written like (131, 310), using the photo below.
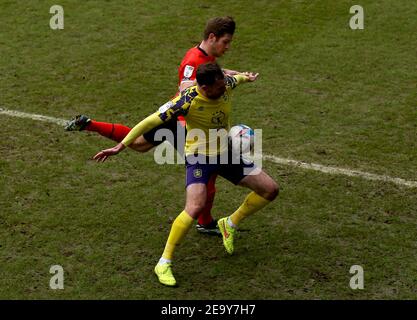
(217, 38)
(200, 106)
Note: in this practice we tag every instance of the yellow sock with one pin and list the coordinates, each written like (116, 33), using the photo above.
(252, 203)
(179, 229)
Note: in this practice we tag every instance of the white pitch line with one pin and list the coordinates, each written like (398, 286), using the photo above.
(278, 160)
(340, 171)
(32, 116)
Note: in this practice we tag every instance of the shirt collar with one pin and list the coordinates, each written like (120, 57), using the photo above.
(205, 53)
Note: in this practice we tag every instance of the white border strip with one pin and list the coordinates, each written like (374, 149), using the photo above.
(283, 161)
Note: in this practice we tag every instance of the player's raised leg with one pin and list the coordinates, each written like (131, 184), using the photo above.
(264, 190)
(114, 131)
(195, 200)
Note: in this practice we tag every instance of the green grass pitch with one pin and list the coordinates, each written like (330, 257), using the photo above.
(326, 94)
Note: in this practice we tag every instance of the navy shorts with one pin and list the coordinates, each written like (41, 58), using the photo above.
(199, 169)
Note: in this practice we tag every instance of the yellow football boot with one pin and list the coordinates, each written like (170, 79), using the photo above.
(227, 233)
(164, 274)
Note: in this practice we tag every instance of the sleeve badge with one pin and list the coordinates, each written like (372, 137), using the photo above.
(188, 71)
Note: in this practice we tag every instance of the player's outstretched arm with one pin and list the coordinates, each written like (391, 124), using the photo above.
(252, 76)
(233, 81)
(234, 72)
(144, 126)
(104, 154)
(230, 72)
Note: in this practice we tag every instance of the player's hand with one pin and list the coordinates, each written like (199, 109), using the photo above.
(104, 154)
(252, 76)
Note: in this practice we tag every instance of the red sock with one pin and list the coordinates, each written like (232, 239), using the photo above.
(205, 217)
(113, 131)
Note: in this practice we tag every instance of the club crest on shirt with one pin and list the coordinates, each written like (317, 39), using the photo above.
(218, 118)
(197, 173)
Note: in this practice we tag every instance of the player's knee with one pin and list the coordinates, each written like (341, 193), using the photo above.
(141, 145)
(195, 208)
(271, 191)
(143, 149)
(136, 148)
